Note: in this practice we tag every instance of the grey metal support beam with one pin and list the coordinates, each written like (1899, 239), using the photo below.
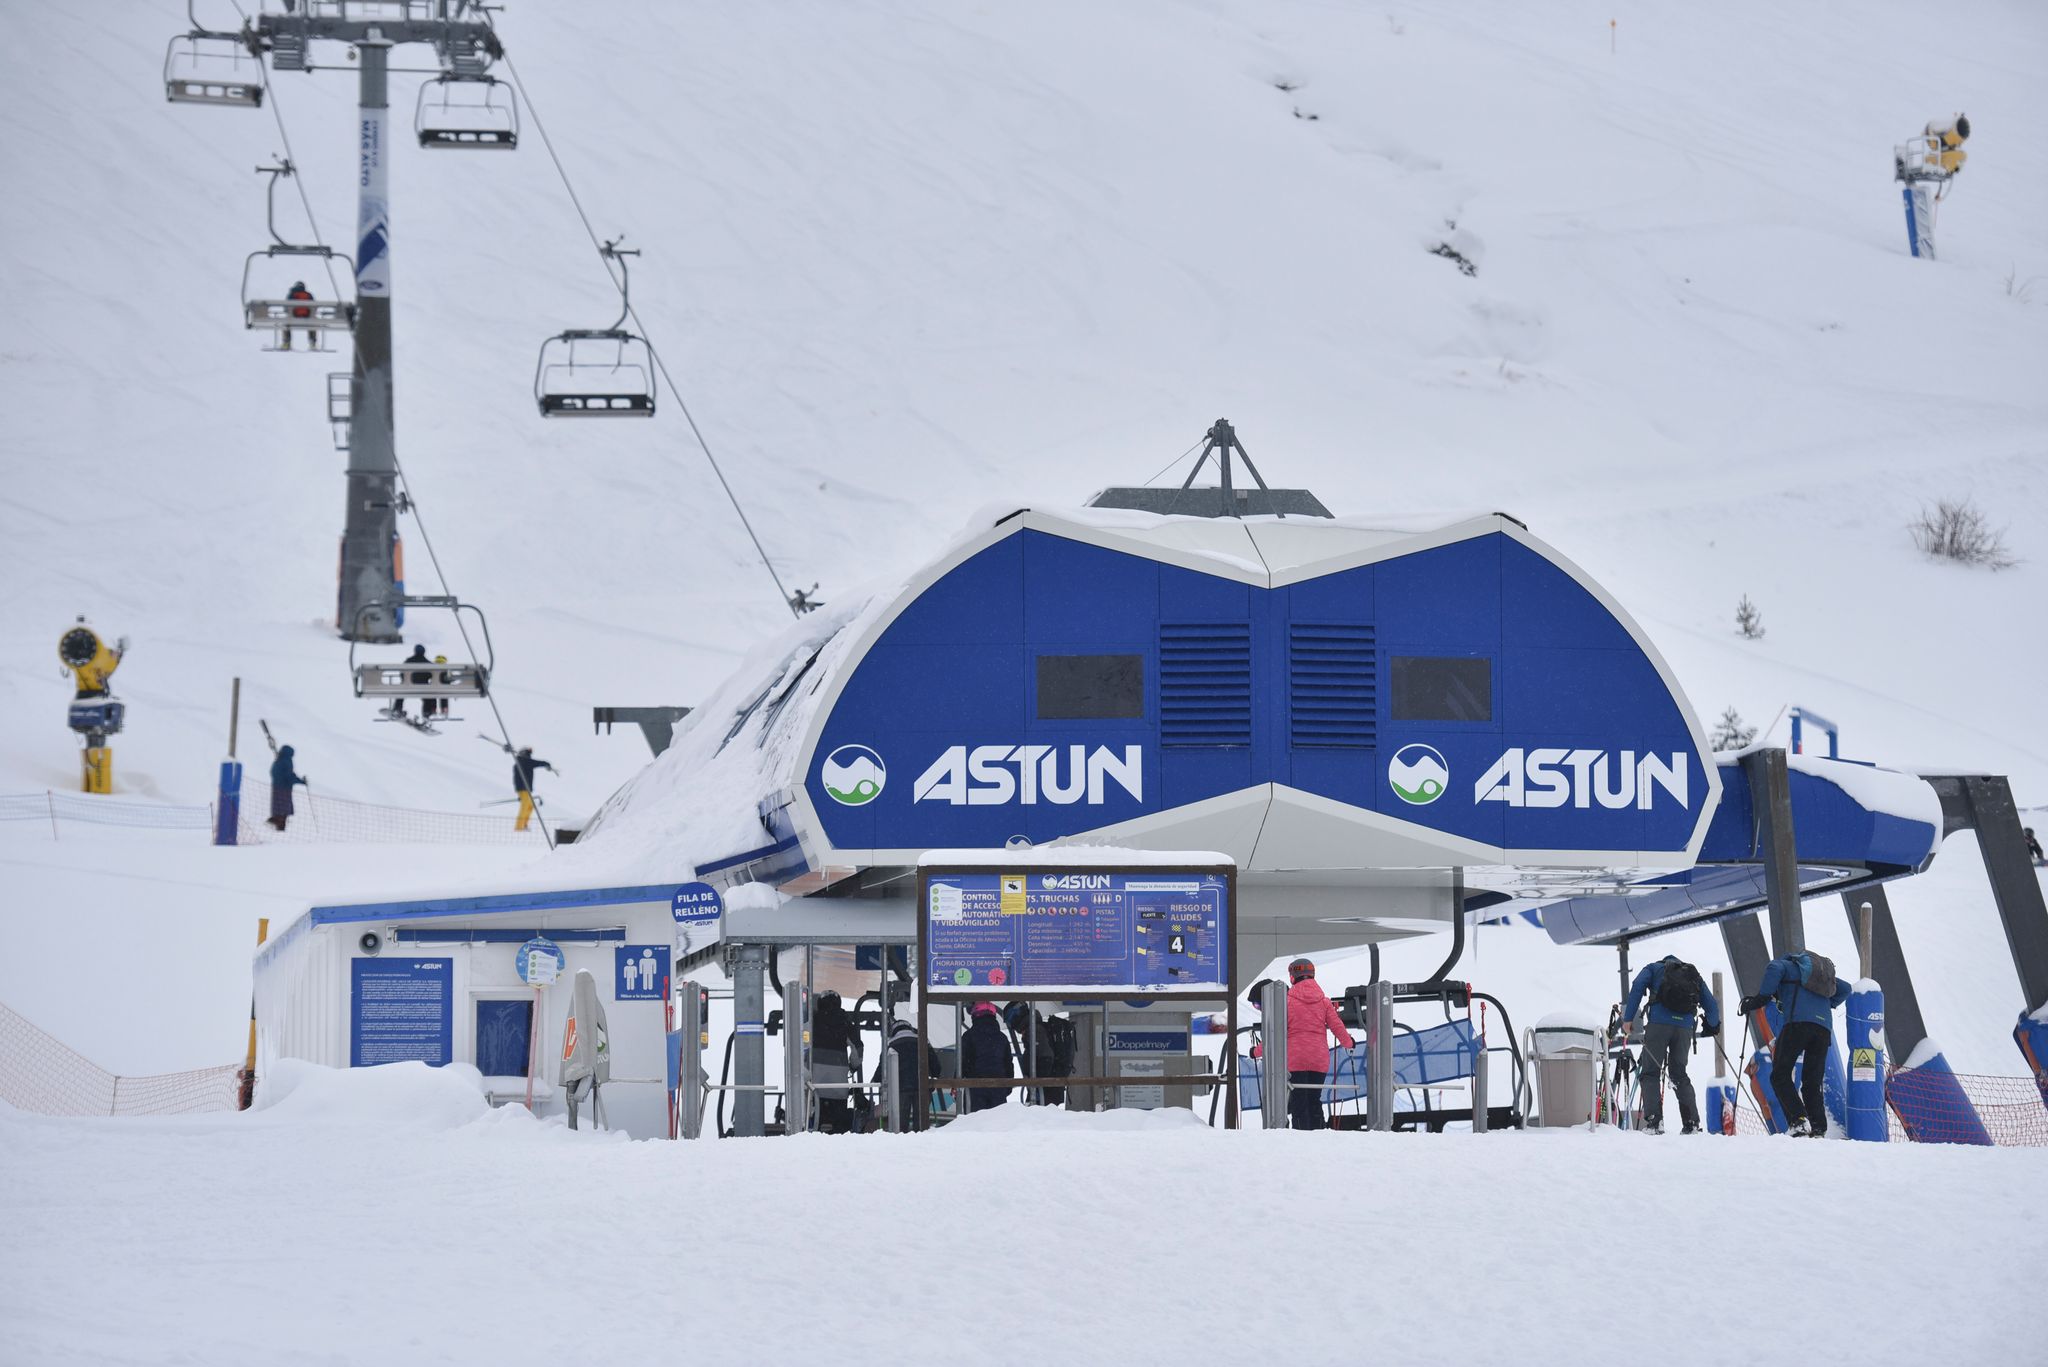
(749, 989)
(1743, 938)
(370, 519)
(1770, 800)
(1904, 1028)
(2002, 843)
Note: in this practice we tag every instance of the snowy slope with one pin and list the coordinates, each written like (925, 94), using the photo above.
(909, 257)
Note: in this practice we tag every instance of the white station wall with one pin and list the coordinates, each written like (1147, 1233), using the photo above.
(303, 1000)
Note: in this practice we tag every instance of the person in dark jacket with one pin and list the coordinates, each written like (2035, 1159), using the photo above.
(415, 677)
(1018, 1016)
(523, 767)
(1667, 1039)
(282, 779)
(835, 1052)
(903, 1043)
(985, 1052)
(1804, 1041)
(2034, 846)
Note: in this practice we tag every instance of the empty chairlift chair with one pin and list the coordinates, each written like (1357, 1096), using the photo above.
(212, 68)
(597, 373)
(463, 112)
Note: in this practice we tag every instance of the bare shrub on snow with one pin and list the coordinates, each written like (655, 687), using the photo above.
(1956, 529)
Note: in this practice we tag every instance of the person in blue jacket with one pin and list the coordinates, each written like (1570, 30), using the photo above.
(1676, 993)
(1808, 1010)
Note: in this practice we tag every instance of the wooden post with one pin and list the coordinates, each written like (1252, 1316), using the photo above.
(234, 715)
(1864, 940)
(248, 1092)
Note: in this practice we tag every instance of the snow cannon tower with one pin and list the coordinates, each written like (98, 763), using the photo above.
(1926, 166)
(95, 712)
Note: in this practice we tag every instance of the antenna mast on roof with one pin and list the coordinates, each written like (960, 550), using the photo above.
(1222, 440)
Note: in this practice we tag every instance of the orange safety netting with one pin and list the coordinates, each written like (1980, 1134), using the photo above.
(2009, 1108)
(40, 1073)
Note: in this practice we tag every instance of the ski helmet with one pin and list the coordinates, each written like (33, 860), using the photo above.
(1301, 968)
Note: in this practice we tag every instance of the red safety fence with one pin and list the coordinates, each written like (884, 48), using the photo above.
(40, 1073)
(318, 819)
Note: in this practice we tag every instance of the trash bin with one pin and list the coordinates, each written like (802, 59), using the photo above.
(1567, 1050)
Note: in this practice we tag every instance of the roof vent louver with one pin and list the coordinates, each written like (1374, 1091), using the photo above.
(1205, 683)
(1332, 686)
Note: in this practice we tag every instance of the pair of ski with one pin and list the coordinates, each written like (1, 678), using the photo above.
(420, 724)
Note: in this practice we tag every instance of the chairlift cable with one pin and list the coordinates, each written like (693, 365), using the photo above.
(468, 645)
(547, 142)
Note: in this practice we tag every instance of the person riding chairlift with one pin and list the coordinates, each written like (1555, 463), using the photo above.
(297, 292)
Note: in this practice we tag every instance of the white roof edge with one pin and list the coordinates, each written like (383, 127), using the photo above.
(1082, 856)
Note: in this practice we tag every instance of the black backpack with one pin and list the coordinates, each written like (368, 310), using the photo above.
(1820, 975)
(830, 1025)
(1679, 992)
(1056, 1034)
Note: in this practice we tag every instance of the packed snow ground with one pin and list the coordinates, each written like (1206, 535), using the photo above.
(383, 1216)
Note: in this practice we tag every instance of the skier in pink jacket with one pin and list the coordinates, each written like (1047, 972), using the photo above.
(1311, 1019)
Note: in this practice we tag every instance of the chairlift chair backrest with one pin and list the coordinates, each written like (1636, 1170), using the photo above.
(467, 113)
(212, 68)
(413, 679)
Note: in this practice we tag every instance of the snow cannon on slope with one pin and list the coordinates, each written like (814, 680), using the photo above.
(1926, 165)
(95, 712)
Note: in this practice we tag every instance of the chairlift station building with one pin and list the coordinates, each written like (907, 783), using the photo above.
(1383, 729)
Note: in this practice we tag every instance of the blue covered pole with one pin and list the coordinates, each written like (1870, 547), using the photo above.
(1931, 1103)
(1866, 1063)
(227, 821)
(2031, 1034)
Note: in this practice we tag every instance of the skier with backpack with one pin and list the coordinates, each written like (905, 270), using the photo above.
(835, 1056)
(1807, 992)
(1056, 1041)
(903, 1043)
(1676, 994)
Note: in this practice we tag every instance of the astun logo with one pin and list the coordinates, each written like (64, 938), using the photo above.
(854, 775)
(1418, 774)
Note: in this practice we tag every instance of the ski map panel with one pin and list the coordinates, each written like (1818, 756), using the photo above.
(1145, 931)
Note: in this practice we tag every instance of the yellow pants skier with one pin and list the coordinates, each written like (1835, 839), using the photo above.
(525, 811)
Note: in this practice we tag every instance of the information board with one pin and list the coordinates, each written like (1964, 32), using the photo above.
(399, 1010)
(1145, 930)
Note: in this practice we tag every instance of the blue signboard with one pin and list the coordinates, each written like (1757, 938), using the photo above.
(1148, 1041)
(1046, 686)
(1152, 929)
(639, 973)
(540, 961)
(401, 1009)
(696, 904)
